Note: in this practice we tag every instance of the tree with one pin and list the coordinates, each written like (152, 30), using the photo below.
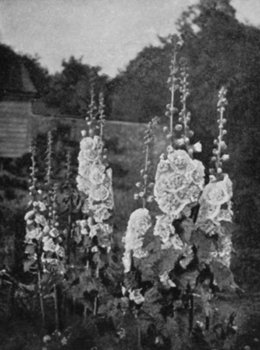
(141, 92)
(70, 89)
(222, 51)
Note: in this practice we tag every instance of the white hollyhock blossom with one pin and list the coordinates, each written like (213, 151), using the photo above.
(166, 281)
(164, 228)
(136, 296)
(215, 202)
(179, 181)
(101, 213)
(139, 253)
(48, 244)
(83, 224)
(29, 215)
(127, 261)
(33, 233)
(96, 174)
(223, 254)
(39, 205)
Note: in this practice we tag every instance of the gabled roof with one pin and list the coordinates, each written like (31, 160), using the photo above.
(14, 76)
(19, 81)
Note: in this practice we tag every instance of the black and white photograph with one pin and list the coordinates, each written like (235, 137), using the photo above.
(130, 174)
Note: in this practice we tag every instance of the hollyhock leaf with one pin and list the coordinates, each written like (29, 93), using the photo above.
(204, 245)
(30, 249)
(28, 264)
(223, 276)
(188, 278)
(169, 259)
(187, 227)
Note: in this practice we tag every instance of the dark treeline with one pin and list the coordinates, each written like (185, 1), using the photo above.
(220, 51)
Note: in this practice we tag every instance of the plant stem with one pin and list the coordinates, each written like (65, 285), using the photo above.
(56, 306)
(139, 336)
(85, 313)
(41, 298)
(95, 306)
(191, 302)
(69, 228)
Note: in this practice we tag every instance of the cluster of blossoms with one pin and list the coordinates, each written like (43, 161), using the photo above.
(95, 181)
(44, 237)
(138, 224)
(165, 230)
(179, 181)
(215, 205)
(190, 224)
(223, 254)
(215, 202)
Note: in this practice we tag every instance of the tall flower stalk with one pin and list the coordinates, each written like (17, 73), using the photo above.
(145, 187)
(95, 181)
(34, 229)
(173, 86)
(219, 155)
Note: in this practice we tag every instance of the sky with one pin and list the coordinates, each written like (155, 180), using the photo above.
(107, 33)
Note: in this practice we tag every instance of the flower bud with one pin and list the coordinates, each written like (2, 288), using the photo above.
(138, 184)
(178, 127)
(83, 133)
(170, 149)
(219, 171)
(136, 196)
(180, 142)
(225, 157)
(165, 128)
(191, 152)
(223, 145)
(197, 147)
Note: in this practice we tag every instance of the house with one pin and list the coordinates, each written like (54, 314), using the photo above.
(17, 92)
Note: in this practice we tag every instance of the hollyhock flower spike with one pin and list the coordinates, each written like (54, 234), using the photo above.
(138, 224)
(215, 202)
